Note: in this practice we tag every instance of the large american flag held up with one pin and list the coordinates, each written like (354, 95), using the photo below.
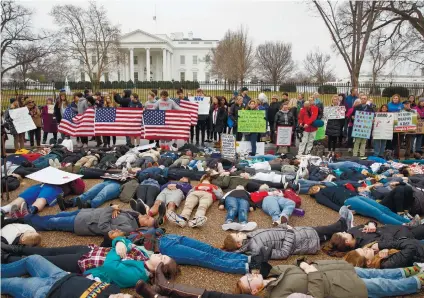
(166, 125)
(192, 107)
(77, 125)
(118, 122)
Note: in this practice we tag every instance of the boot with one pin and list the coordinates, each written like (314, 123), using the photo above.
(145, 290)
(63, 204)
(171, 289)
(162, 212)
(82, 205)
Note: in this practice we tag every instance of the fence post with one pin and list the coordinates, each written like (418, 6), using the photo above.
(54, 91)
(14, 86)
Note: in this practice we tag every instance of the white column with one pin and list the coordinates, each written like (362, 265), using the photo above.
(169, 66)
(164, 76)
(125, 71)
(132, 64)
(148, 64)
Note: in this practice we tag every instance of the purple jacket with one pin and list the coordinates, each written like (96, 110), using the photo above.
(49, 120)
(420, 112)
(183, 186)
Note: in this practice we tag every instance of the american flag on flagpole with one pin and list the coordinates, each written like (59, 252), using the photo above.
(192, 107)
(166, 125)
(76, 125)
(118, 122)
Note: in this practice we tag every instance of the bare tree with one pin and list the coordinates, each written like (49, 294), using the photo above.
(274, 61)
(89, 37)
(243, 53)
(317, 65)
(350, 25)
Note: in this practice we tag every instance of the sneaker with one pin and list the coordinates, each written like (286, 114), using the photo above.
(248, 227)
(133, 204)
(161, 212)
(24, 209)
(232, 226)
(56, 163)
(415, 222)
(61, 202)
(14, 212)
(276, 223)
(176, 219)
(78, 202)
(51, 163)
(197, 222)
(347, 215)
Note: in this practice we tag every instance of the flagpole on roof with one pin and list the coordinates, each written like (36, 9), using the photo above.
(154, 19)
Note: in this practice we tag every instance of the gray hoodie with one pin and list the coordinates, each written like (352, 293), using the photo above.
(164, 105)
(82, 105)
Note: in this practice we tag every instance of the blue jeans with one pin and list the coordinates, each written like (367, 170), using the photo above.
(266, 157)
(188, 251)
(277, 207)
(371, 208)
(236, 206)
(253, 137)
(43, 275)
(418, 143)
(62, 221)
(43, 161)
(100, 193)
(346, 165)
(379, 147)
(387, 282)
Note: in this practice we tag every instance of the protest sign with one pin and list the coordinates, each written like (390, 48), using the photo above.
(251, 121)
(284, 135)
(204, 104)
(50, 109)
(383, 126)
(244, 147)
(420, 126)
(336, 112)
(228, 146)
(406, 121)
(362, 124)
(22, 120)
(53, 176)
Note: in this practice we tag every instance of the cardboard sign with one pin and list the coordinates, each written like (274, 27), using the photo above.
(244, 147)
(362, 124)
(22, 120)
(228, 146)
(284, 136)
(406, 121)
(50, 109)
(53, 176)
(204, 104)
(336, 112)
(383, 126)
(420, 126)
(251, 121)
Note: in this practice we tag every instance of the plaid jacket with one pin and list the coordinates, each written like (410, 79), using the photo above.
(97, 256)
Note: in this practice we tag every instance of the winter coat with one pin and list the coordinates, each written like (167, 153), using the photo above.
(136, 104)
(235, 108)
(410, 251)
(334, 278)
(185, 187)
(221, 118)
(82, 105)
(36, 116)
(273, 109)
(350, 99)
(230, 182)
(8, 122)
(283, 241)
(334, 196)
(334, 127)
(308, 117)
(124, 102)
(418, 204)
(395, 107)
(420, 111)
(49, 120)
(280, 119)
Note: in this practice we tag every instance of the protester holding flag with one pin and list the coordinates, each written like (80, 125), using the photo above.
(135, 103)
(108, 103)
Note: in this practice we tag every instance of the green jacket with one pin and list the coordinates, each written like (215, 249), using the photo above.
(334, 278)
(229, 182)
(123, 273)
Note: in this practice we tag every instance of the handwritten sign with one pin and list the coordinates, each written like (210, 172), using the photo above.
(204, 104)
(251, 121)
(420, 126)
(22, 120)
(53, 176)
(362, 124)
(383, 126)
(284, 135)
(244, 147)
(336, 112)
(50, 109)
(228, 146)
(406, 121)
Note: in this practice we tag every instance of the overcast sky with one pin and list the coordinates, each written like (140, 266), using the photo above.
(289, 21)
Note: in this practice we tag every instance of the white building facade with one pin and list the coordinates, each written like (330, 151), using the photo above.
(164, 57)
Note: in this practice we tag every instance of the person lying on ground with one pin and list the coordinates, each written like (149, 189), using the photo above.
(19, 234)
(36, 197)
(286, 240)
(237, 203)
(388, 254)
(371, 232)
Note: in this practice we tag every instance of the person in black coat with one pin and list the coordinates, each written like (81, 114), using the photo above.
(284, 117)
(123, 101)
(334, 129)
(274, 107)
(237, 106)
(217, 118)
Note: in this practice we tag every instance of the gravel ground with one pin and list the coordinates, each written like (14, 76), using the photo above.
(210, 233)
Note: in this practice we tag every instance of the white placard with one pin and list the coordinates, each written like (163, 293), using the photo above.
(284, 135)
(228, 146)
(204, 104)
(383, 126)
(405, 121)
(50, 109)
(244, 147)
(53, 176)
(22, 121)
(335, 112)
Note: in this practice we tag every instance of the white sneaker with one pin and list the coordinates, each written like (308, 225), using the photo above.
(57, 163)
(232, 226)
(51, 163)
(250, 226)
(197, 222)
(176, 219)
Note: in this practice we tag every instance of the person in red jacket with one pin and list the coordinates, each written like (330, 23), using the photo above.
(308, 114)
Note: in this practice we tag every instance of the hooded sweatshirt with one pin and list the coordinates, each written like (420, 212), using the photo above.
(82, 105)
(150, 105)
(124, 102)
(167, 104)
(395, 107)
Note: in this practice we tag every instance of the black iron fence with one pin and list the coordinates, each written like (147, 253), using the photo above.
(380, 93)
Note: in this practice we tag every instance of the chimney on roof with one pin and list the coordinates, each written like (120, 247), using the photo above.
(190, 35)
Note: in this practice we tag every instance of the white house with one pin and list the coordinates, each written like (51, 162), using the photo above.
(165, 57)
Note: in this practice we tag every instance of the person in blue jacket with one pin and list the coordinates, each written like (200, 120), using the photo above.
(395, 105)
